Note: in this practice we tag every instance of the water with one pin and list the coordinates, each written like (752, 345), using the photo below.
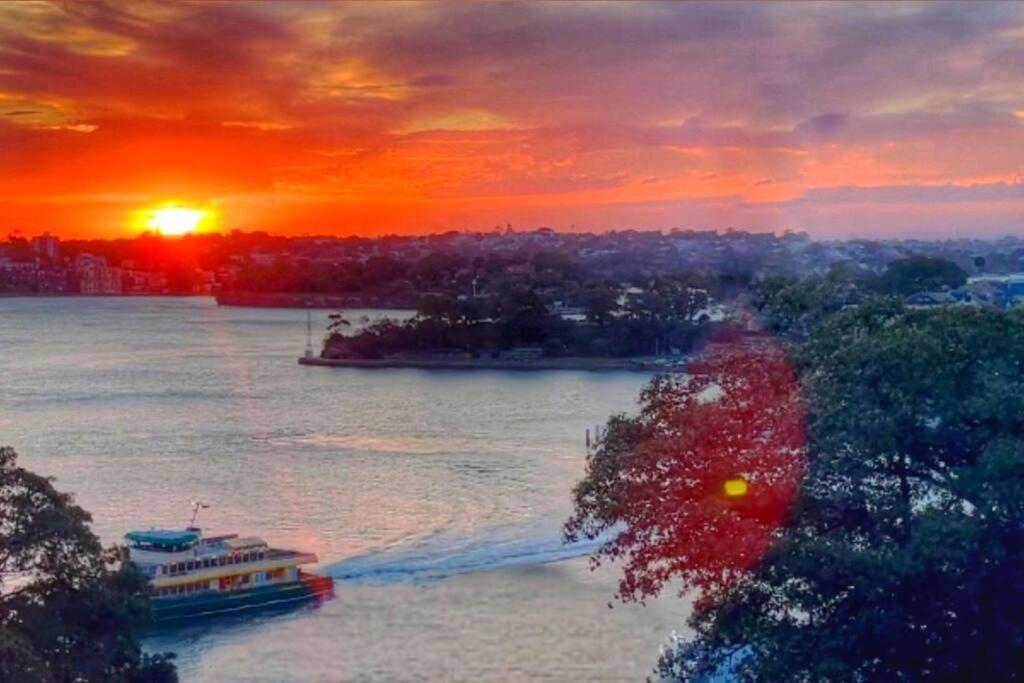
(434, 498)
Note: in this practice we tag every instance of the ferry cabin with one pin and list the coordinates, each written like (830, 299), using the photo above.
(183, 563)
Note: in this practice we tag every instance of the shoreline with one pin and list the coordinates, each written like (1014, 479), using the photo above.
(310, 300)
(565, 363)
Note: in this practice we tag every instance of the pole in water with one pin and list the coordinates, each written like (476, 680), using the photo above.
(309, 334)
(588, 439)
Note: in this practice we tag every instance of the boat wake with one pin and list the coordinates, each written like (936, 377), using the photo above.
(440, 557)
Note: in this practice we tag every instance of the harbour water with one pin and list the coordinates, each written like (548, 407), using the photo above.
(433, 497)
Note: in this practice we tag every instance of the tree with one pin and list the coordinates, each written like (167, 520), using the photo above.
(900, 557)
(701, 479)
(69, 608)
(793, 309)
(907, 276)
(600, 303)
(338, 323)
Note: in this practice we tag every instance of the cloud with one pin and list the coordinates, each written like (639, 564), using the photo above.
(544, 106)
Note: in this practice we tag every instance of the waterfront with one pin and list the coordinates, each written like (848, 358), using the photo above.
(433, 496)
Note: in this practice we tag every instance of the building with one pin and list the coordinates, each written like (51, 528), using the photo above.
(930, 299)
(95, 277)
(1006, 289)
(18, 276)
(46, 245)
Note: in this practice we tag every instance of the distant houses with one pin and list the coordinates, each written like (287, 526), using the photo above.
(999, 291)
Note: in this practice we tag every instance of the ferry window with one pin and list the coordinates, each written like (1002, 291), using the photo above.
(181, 566)
(262, 555)
(190, 566)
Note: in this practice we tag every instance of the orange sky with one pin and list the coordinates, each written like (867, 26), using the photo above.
(839, 119)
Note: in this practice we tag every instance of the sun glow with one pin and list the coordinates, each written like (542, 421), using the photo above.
(173, 220)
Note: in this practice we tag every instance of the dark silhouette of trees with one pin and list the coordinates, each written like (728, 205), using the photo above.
(68, 607)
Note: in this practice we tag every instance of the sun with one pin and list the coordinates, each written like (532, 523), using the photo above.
(175, 220)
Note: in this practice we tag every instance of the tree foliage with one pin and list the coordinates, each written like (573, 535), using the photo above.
(660, 479)
(913, 274)
(792, 309)
(900, 558)
(68, 607)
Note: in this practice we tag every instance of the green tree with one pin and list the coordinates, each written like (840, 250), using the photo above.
(69, 608)
(907, 276)
(793, 309)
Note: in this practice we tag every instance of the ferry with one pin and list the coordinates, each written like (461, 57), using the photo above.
(191, 575)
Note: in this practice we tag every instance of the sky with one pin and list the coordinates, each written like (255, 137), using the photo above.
(873, 120)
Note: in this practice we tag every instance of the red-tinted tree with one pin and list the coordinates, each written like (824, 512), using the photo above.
(696, 487)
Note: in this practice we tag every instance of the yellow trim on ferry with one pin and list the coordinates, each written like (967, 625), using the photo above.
(166, 580)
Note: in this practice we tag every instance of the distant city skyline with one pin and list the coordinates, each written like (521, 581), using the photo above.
(877, 120)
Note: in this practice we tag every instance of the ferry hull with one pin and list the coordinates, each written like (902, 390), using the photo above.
(207, 604)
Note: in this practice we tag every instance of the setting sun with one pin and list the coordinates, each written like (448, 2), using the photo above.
(175, 221)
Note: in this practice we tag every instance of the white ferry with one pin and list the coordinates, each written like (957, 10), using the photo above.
(191, 575)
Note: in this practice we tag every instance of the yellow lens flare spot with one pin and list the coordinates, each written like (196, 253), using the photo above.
(735, 488)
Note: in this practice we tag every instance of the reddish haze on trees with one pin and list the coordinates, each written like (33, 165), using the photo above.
(712, 472)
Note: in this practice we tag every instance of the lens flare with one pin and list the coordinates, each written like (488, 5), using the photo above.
(735, 488)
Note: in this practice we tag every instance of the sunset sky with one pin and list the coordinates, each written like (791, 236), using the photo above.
(875, 119)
